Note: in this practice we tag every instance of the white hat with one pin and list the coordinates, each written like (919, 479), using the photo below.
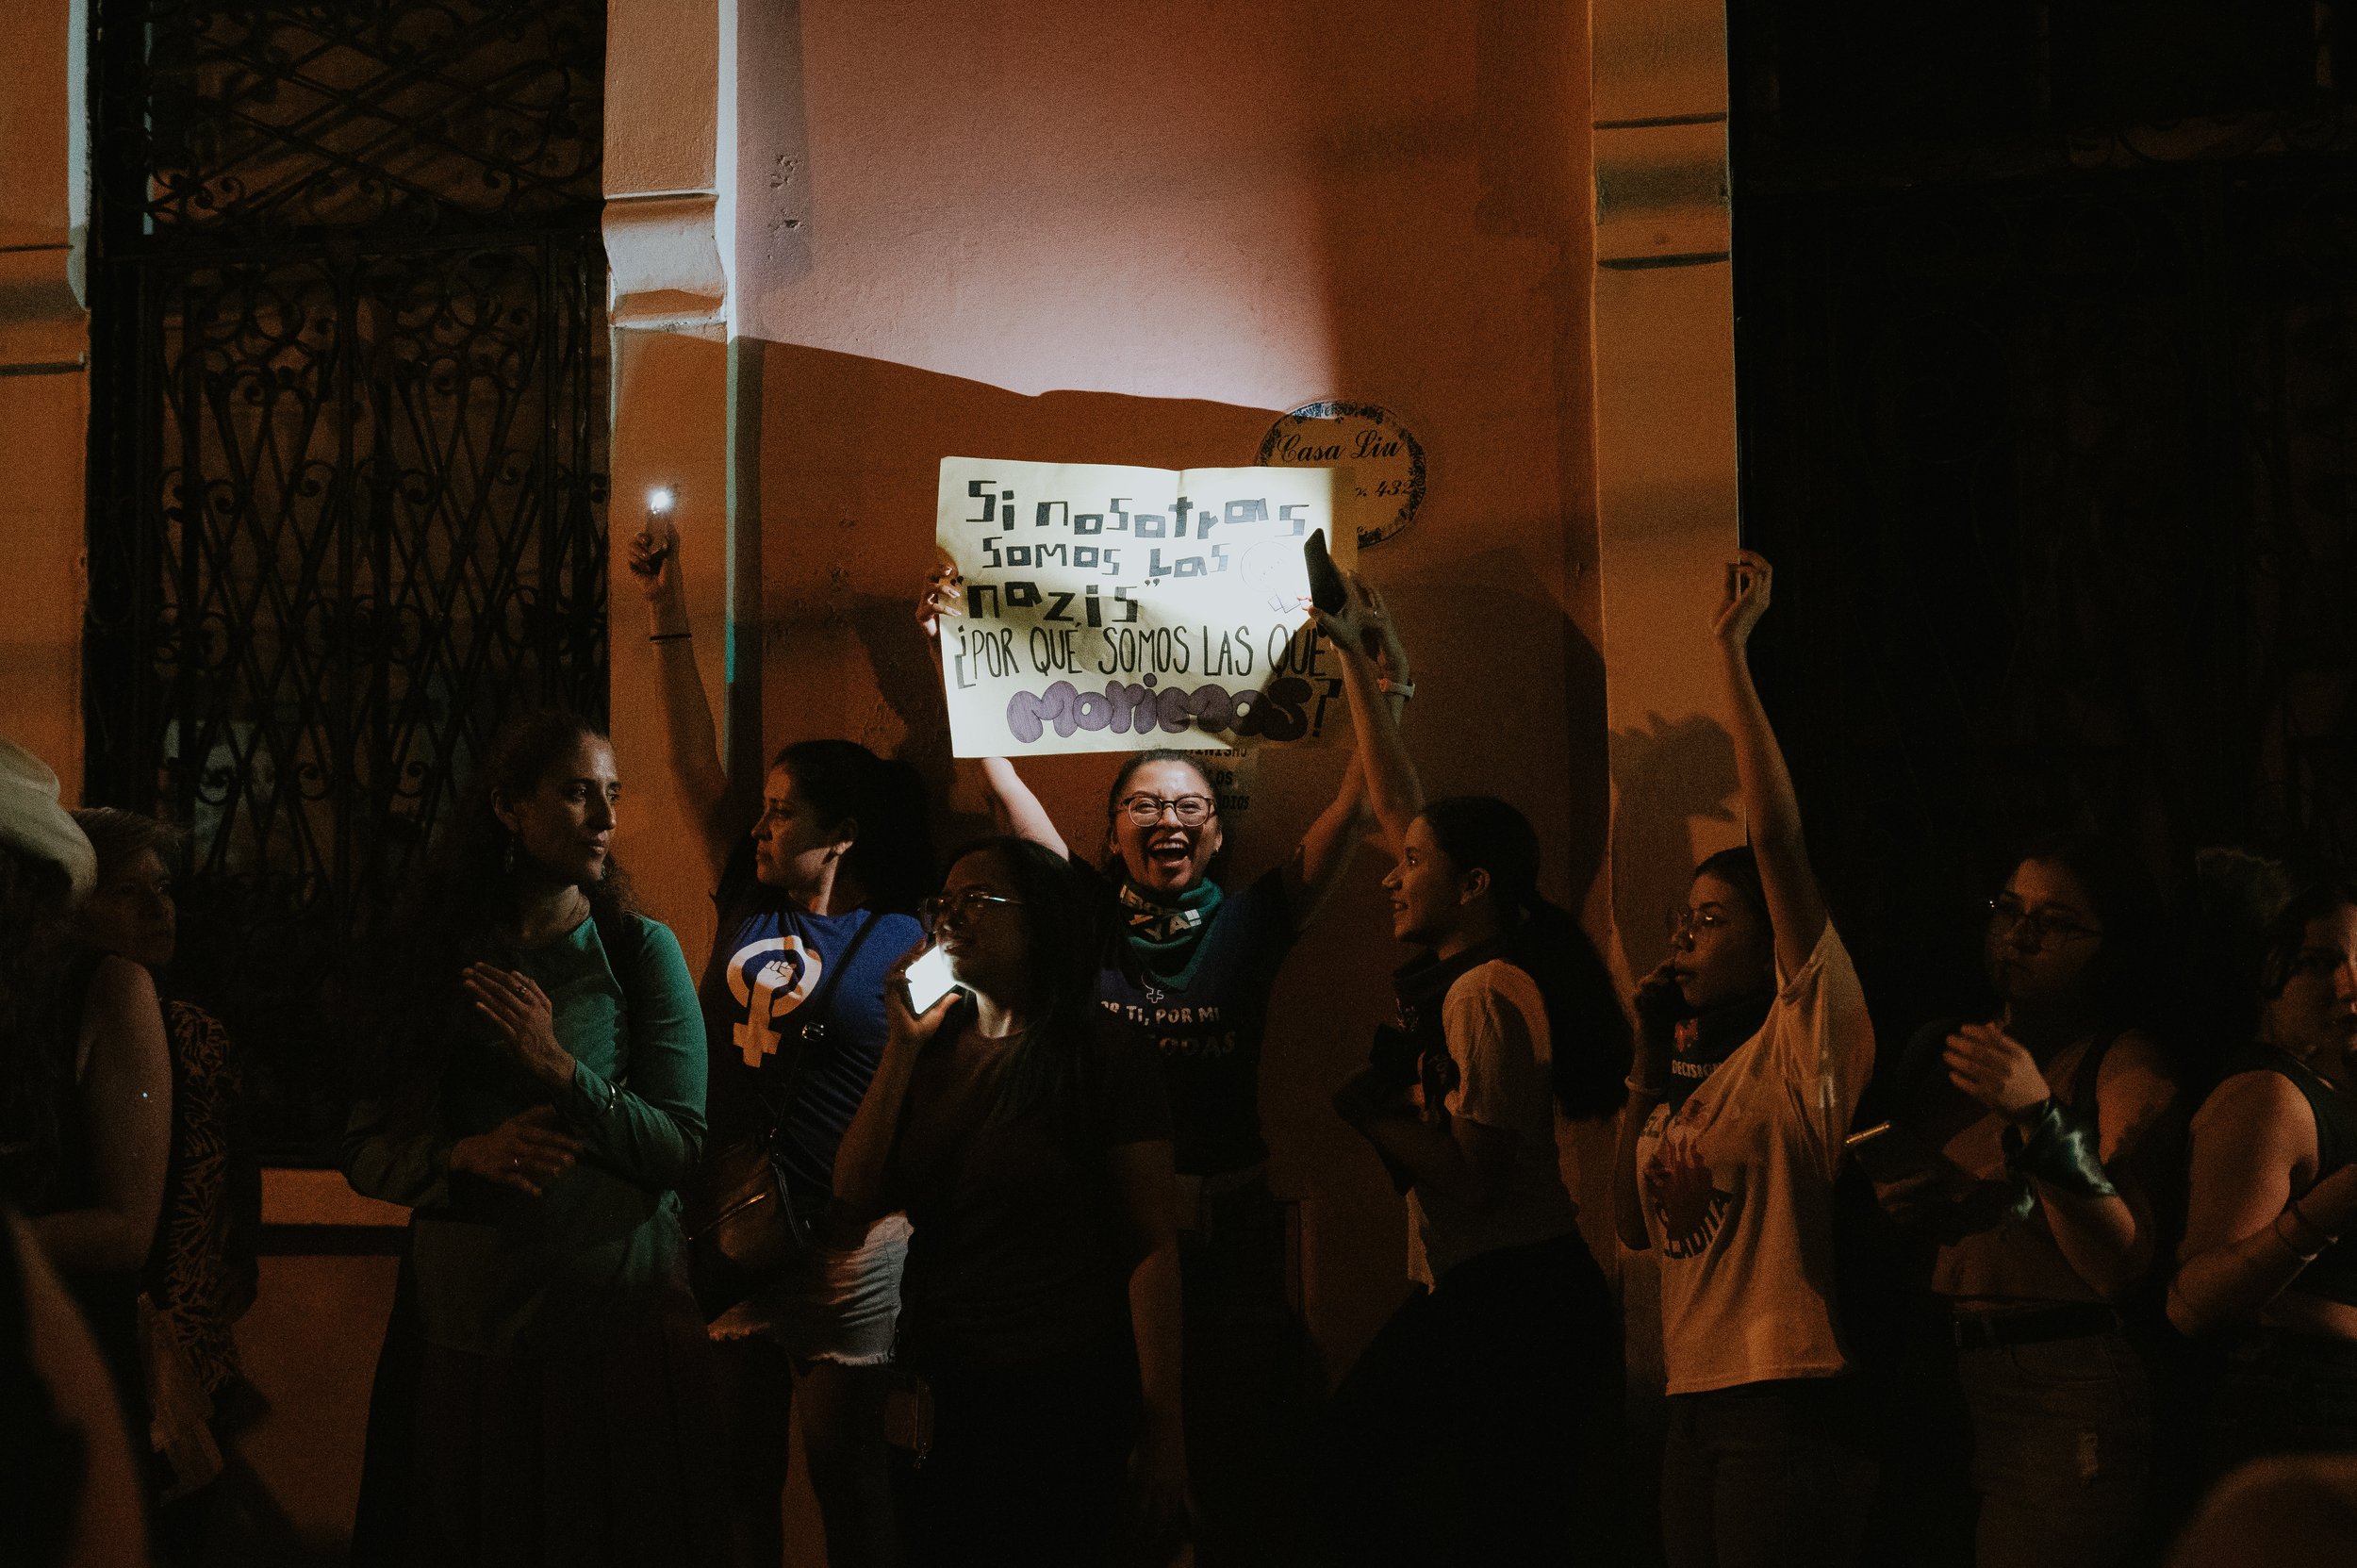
(31, 819)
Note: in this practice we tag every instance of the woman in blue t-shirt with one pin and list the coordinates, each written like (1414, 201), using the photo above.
(813, 909)
(1189, 966)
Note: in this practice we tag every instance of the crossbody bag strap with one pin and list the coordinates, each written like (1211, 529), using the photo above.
(790, 1079)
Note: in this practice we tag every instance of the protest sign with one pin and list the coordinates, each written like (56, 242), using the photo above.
(1115, 609)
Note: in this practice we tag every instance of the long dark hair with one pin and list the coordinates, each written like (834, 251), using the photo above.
(1590, 1032)
(892, 853)
(36, 1043)
(1120, 786)
(409, 996)
(1059, 978)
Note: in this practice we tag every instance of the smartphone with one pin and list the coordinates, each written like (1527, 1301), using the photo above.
(1327, 590)
(930, 979)
(1888, 1153)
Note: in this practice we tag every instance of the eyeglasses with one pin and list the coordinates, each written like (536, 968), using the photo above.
(1193, 811)
(958, 908)
(2009, 917)
(1683, 923)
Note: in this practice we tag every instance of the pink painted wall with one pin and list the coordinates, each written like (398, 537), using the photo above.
(1135, 232)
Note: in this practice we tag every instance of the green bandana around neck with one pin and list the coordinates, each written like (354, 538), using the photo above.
(1167, 933)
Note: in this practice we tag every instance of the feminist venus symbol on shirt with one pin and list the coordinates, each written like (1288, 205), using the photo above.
(769, 978)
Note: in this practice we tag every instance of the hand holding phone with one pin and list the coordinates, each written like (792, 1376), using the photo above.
(1326, 589)
(928, 980)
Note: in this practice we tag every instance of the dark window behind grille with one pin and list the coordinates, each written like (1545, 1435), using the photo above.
(2049, 413)
(347, 458)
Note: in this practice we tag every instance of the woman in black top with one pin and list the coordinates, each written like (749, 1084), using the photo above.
(1189, 966)
(1030, 1145)
(2269, 1257)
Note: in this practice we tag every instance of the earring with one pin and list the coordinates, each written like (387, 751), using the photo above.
(507, 856)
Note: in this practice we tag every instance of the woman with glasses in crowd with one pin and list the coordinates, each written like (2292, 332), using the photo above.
(813, 907)
(2025, 1146)
(1753, 1048)
(1458, 1435)
(2269, 1260)
(1189, 966)
(1028, 1140)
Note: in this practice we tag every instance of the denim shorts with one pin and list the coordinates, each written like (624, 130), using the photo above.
(836, 1304)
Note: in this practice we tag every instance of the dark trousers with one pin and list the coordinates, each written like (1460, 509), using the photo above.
(2062, 1450)
(1459, 1435)
(2282, 1392)
(1774, 1474)
(1026, 1464)
(1253, 1384)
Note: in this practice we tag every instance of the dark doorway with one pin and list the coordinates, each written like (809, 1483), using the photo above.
(2047, 365)
(348, 455)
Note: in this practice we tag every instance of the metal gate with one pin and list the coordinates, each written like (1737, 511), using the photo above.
(348, 456)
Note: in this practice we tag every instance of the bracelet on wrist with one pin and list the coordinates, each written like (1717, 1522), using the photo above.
(1650, 1091)
(2275, 1229)
(2324, 1238)
(1395, 688)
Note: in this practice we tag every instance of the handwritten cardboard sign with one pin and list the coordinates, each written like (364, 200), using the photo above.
(1115, 609)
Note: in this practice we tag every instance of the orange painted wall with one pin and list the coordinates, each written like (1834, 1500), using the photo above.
(1135, 232)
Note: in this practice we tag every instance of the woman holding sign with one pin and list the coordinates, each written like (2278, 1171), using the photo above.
(1189, 966)
(813, 911)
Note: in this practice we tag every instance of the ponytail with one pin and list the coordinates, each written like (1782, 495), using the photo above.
(1586, 1024)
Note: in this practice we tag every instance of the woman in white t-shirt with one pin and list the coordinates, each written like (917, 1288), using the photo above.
(1754, 1044)
(1487, 1372)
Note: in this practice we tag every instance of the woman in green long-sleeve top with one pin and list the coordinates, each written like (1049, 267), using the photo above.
(537, 1095)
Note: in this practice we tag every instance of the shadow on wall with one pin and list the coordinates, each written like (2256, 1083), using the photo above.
(1668, 775)
(1395, 203)
(850, 476)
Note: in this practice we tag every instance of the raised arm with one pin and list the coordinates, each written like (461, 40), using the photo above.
(1770, 810)
(1012, 802)
(1358, 633)
(1324, 854)
(126, 1097)
(692, 741)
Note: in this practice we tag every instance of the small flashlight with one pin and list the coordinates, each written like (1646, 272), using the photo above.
(660, 501)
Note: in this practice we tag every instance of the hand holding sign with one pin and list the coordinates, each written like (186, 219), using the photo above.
(1362, 625)
(1095, 607)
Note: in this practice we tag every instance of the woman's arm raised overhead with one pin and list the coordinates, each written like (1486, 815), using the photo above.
(1358, 632)
(1324, 853)
(1771, 810)
(692, 741)
(1012, 802)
